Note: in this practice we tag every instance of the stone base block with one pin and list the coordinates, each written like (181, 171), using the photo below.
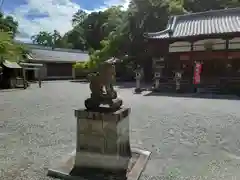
(138, 90)
(102, 137)
(67, 169)
(95, 160)
(156, 89)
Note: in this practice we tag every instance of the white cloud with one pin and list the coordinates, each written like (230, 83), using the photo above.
(59, 14)
(109, 3)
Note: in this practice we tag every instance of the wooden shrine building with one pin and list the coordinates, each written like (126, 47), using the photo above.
(211, 38)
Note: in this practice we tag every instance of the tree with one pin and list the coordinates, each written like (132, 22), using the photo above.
(11, 25)
(9, 49)
(206, 5)
(79, 17)
(8, 24)
(92, 29)
(76, 38)
(125, 37)
(89, 30)
(43, 38)
(115, 17)
(54, 39)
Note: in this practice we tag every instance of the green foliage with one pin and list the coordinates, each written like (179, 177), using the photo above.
(42, 38)
(88, 65)
(53, 39)
(80, 65)
(8, 24)
(9, 49)
(79, 17)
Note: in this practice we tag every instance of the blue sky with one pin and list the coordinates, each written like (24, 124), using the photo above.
(38, 15)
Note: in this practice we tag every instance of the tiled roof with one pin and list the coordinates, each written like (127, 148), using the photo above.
(12, 65)
(49, 55)
(204, 23)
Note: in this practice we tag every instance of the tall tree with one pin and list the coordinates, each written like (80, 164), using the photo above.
(79, 17)
(54, 39)
(43, 38)
(9, 49)
(206, 5)
(89, 30)
(76, 38)
(8, 24)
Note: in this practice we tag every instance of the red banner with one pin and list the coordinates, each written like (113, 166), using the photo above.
(197, 73)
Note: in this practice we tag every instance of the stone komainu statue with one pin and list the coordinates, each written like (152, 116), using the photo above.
(102, 91)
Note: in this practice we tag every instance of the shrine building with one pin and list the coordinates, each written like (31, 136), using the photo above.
(211, 38)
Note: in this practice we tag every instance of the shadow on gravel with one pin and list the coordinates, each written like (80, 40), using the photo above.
(125, 85)
(194, 95)
(84, 81)
(128, 85)
(120, 85)
(11, 90)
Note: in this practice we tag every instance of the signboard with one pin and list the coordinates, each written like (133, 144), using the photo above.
(197, 73)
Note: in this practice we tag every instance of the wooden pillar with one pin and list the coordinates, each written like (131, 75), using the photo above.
(73, 73)
(226, 57)
(39, 77)
(192, 62)
(24, 78)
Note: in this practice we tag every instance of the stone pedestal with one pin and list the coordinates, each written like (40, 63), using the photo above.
(138, 88)
(178, 85)
(157, 76)
(137, 83)
(103, 149)
(101, 138)
(178, 77)
(157, 83)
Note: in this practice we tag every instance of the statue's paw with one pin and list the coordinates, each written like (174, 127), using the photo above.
(114, 94)
(91, 104)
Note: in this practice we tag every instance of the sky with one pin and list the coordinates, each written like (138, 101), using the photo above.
(46, 15)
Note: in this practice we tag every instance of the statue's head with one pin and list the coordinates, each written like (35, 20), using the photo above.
(107, 70)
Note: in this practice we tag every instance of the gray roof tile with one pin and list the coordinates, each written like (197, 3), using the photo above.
(58, 56)
(204, 23)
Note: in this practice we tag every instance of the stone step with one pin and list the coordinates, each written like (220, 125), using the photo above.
(210, 90)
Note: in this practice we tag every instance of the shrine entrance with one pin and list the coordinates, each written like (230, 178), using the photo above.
(213, 70)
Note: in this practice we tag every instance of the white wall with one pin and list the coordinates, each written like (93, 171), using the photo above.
(234, 43)
(218, 44)
(181, 46)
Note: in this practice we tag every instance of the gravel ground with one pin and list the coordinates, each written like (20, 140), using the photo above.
(189, 137)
